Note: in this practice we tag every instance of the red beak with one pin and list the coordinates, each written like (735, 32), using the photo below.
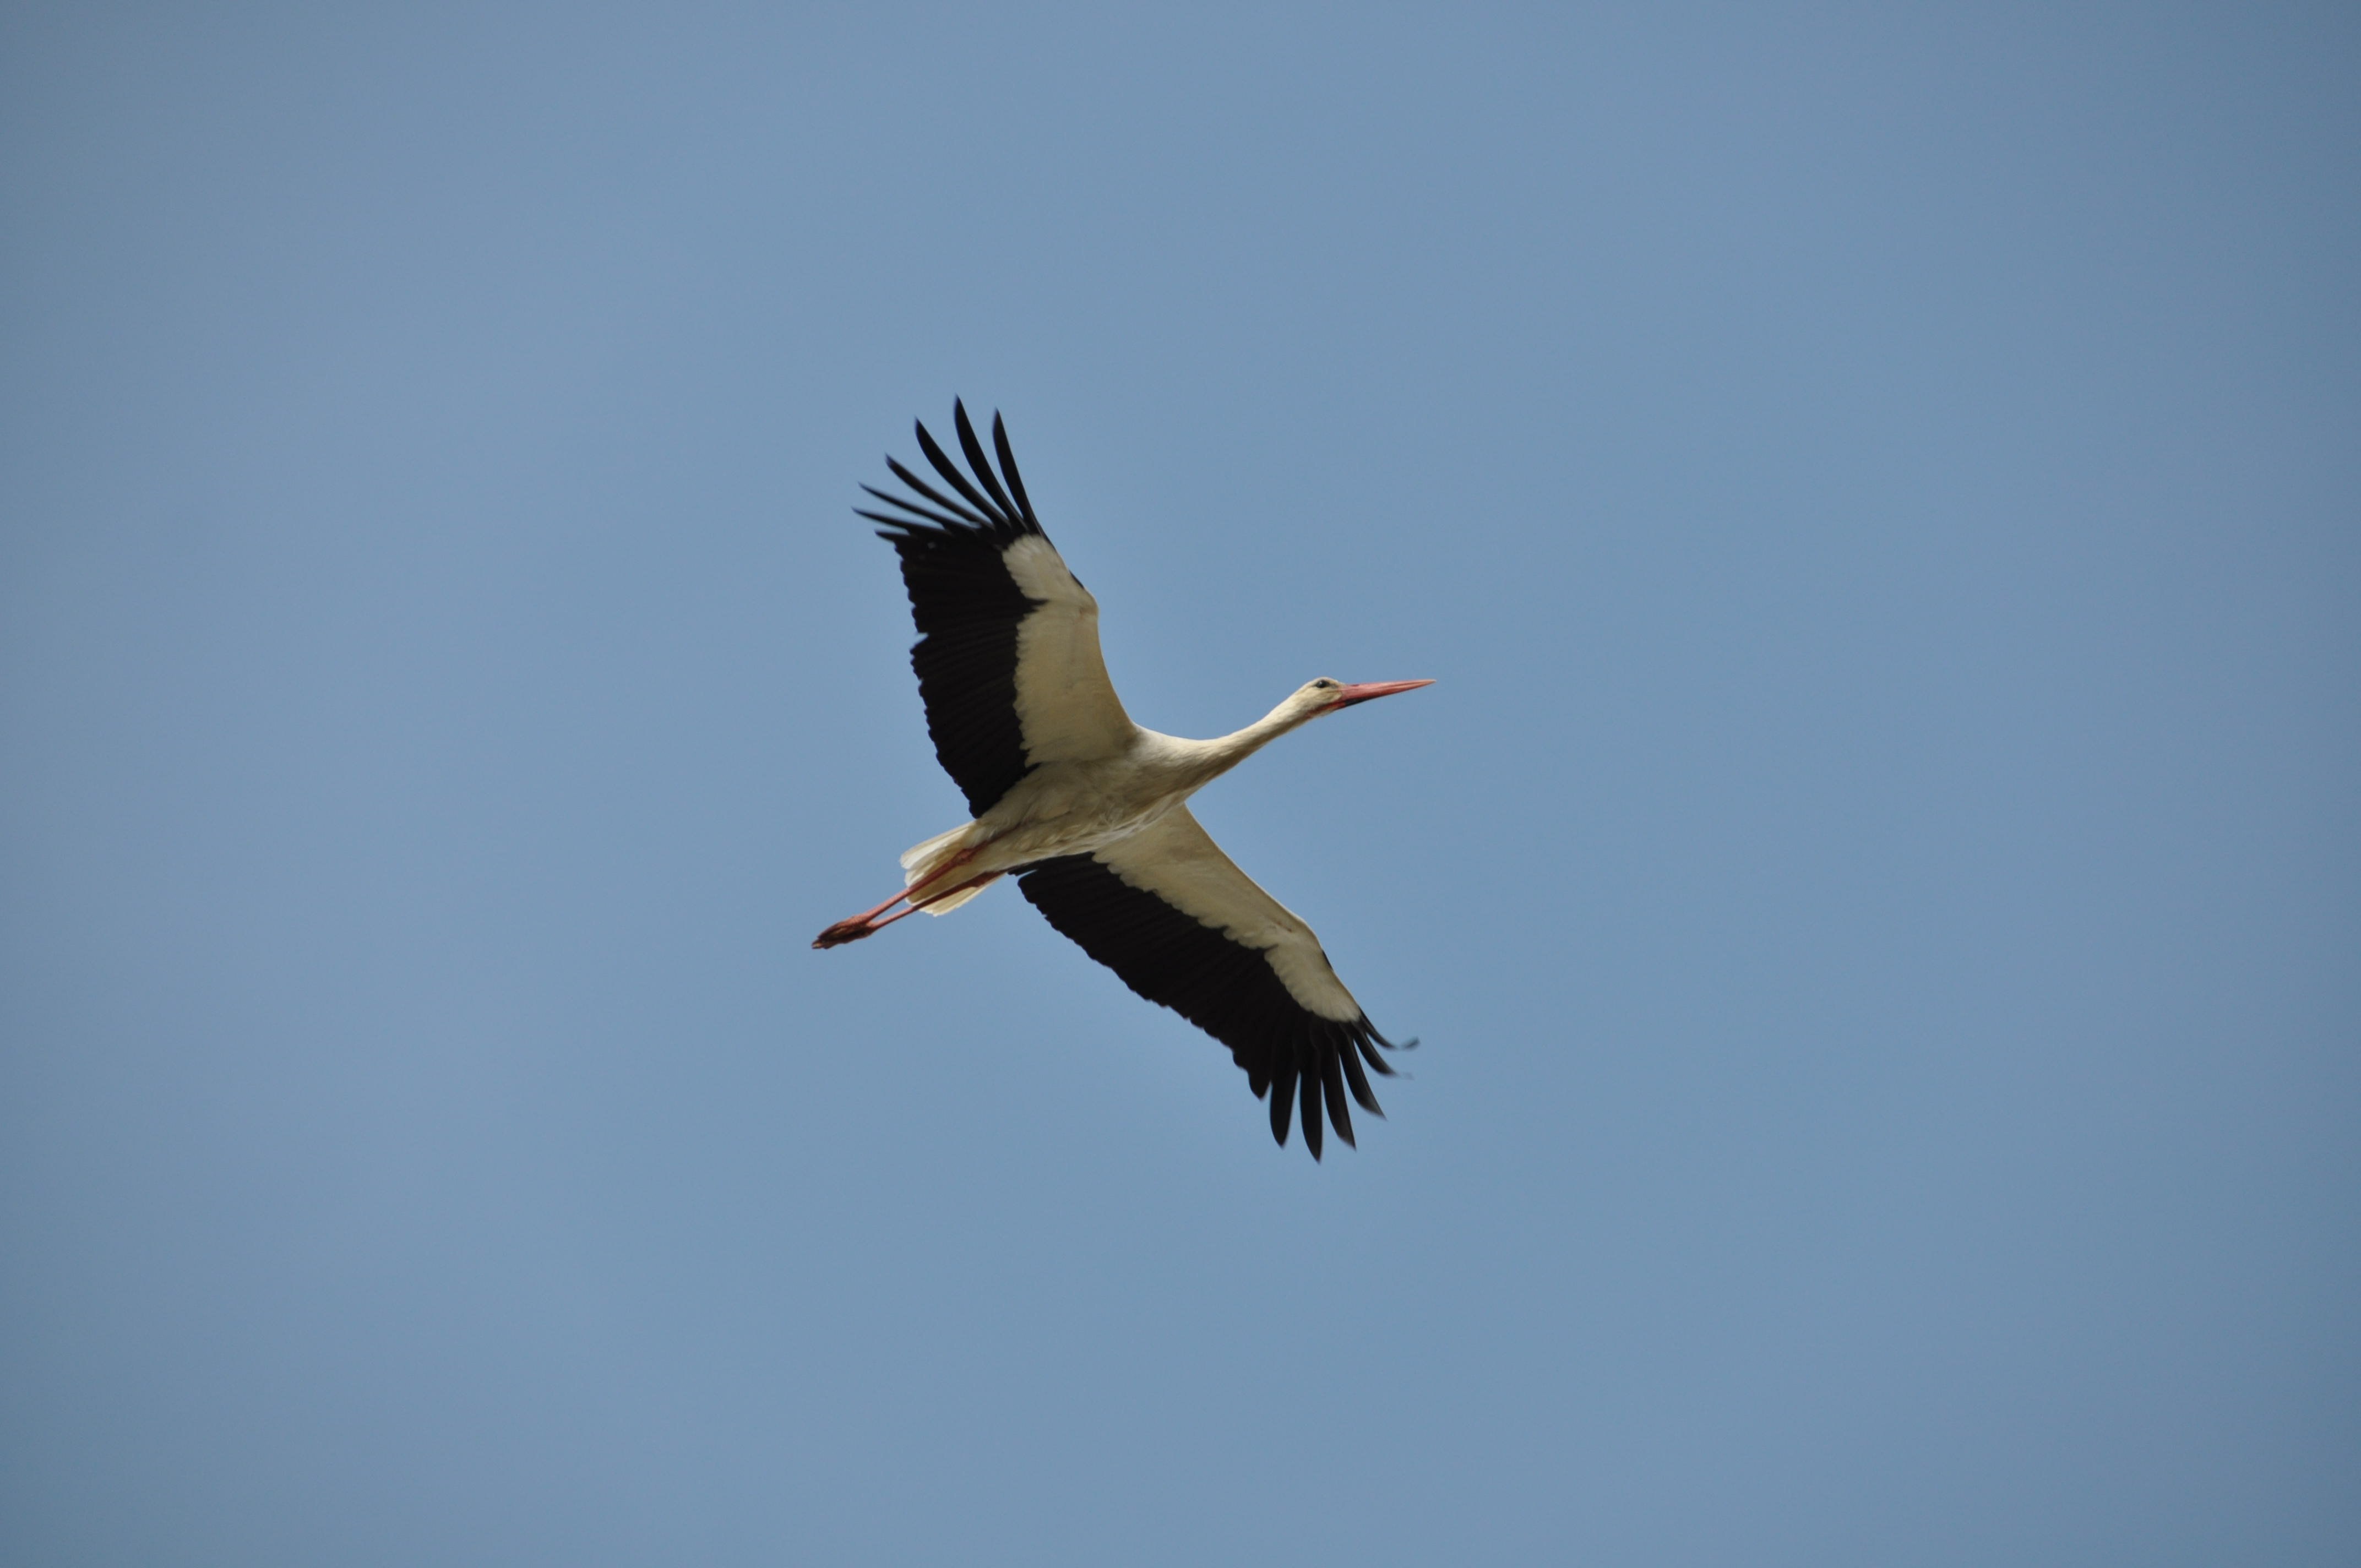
(1347, 696)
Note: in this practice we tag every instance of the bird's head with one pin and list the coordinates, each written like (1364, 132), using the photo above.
(1324, 695)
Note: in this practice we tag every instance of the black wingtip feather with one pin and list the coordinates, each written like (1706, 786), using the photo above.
(1008, 469)
(977, 461)
(939, 520)
(1332, 1086)
(959, 481)
(1359, 1081)
(933, 495)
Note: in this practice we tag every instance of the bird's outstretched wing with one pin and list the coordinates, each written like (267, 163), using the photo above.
(1184, 927)
(1007, 656)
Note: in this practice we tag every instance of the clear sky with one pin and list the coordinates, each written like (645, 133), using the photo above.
(1879, 490)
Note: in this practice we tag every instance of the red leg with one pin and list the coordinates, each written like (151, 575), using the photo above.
(880, 926)
(853, 927)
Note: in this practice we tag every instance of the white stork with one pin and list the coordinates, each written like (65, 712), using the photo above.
(1087, 808)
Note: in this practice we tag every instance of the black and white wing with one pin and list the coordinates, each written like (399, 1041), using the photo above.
(1007, 656)
(1184, 927)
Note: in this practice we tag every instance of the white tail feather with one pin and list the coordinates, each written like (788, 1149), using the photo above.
(919, 860)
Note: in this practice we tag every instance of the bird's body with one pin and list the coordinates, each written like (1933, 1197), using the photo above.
(1089, 809)
(1081, 805)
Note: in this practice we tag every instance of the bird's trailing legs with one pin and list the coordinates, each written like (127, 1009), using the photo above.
(866, 923)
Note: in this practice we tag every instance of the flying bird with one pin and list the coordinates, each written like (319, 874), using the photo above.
(1087, 810)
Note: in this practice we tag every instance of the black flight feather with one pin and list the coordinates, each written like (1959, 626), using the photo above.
(1008, 469)
(959, 481)
(977, 461)
(931, 493)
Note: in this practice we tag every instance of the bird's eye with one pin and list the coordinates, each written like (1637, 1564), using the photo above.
(1323, 686)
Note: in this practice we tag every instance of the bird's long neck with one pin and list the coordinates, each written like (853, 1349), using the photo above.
(1219, 756)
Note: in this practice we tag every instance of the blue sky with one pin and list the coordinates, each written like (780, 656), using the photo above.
(1876, 878)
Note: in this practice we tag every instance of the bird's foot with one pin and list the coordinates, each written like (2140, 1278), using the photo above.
(845, 931)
